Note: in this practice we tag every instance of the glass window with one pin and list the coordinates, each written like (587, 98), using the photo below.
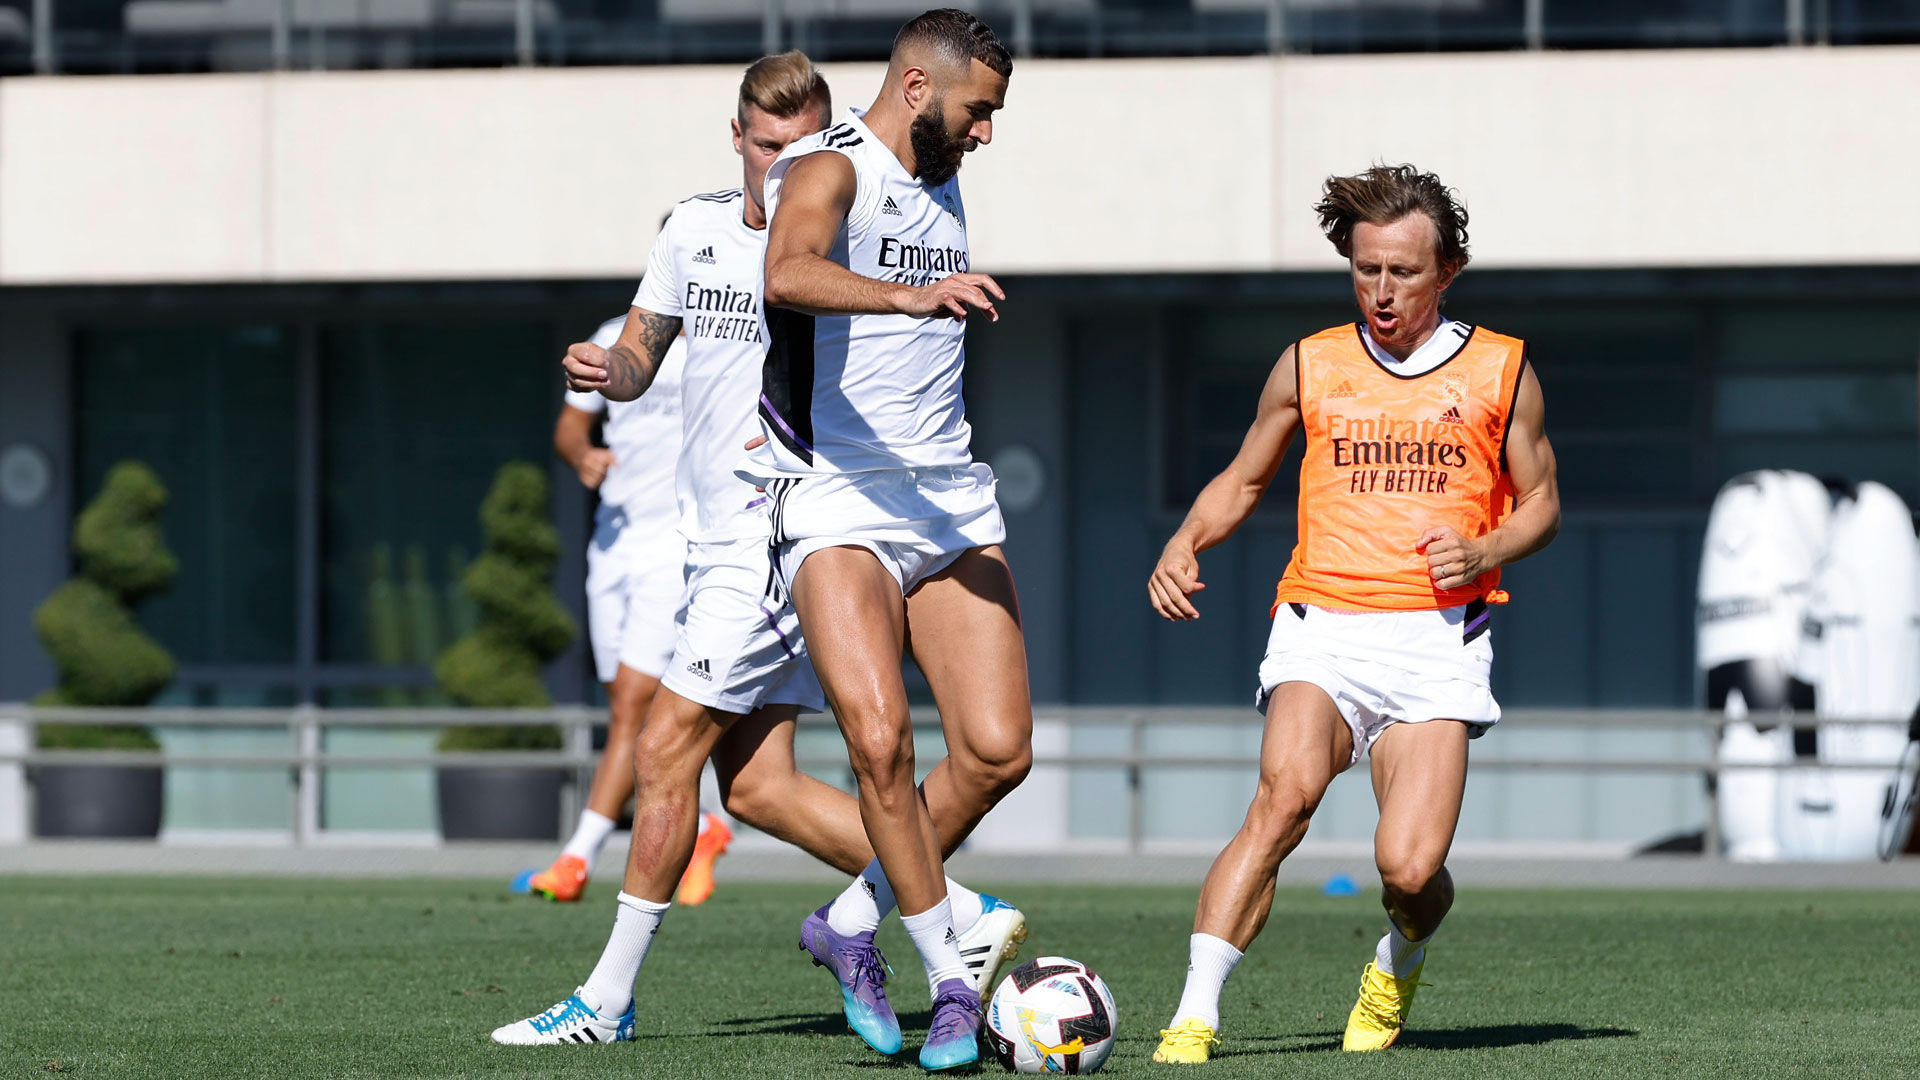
(211, 410)
(416, 421)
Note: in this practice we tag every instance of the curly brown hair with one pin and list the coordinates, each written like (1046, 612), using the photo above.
(1383, 195)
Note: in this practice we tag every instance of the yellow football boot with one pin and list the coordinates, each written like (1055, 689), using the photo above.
(564, 881)
(1381, 1012)
(1188, 1042)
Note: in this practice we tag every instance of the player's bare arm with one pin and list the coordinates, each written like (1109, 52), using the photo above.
(1455, 560)
(815, 199)
(623, 372)
(1229, 497)
(573, 441)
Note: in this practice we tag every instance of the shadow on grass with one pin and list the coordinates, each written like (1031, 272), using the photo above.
(1487, 1037)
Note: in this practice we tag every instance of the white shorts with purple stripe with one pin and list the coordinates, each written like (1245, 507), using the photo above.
(1387, 667)
(738, 645)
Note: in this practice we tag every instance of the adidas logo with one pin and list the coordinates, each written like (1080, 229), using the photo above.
(704, 255)
(699, 667)
(952, 938)
(1451, 416)
(1345, 389)
(890, 207)
(872, 890)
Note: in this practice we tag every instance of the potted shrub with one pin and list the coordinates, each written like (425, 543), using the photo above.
(104, 659)
(497, 665)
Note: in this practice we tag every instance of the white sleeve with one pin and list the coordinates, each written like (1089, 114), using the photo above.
(588, 401)
(660, 290)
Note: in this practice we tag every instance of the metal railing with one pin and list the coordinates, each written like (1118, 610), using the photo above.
(308, 757)
(195, 35)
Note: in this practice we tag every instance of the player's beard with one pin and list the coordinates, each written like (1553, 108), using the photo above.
(936, 154)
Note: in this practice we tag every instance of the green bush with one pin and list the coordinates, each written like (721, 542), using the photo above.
(520, 625)
(87, 626)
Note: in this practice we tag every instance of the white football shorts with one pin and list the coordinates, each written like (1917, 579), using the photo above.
(737, 644)
(635, 577)
(915, 521)
(1386, 667)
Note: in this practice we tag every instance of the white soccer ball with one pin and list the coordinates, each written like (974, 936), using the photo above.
(1052, 1015)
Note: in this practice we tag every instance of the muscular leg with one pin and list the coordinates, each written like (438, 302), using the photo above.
(1419, 778)
(855, 624)
(629, 696)
(1305, 746)
(965, 635)
(761, 785)
(673, 745)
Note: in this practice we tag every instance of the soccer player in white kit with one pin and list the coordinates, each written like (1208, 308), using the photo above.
(738, 675)
(886, 529)
(636, 571)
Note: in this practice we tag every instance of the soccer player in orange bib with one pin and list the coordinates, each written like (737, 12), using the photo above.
(1426, 470)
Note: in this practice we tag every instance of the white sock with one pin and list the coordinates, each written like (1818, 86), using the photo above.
(588, 836)
(705, 824)
(966, 903)
(635, 923)
(860, 909)
(1210, 961)
(1397, 956)
(932, 934)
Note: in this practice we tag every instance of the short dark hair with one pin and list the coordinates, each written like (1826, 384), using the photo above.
(959, 36)
(1383, 195)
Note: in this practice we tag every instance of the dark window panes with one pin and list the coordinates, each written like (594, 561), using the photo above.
(1840, 404)
(211, 411)
(417, 420)
(1894, 462)
(1582, 399)
(1823, 338)
(1624, 341)
(1596, 473)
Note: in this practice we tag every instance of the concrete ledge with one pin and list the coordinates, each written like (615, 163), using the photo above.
(761, 862)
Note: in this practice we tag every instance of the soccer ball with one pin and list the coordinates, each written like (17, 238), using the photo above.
(1052, 1015)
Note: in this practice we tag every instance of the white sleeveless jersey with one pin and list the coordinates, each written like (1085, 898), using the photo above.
(858, 393)
(705, 269)
(644, 436)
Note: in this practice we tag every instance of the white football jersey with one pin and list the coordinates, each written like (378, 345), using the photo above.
(1765, 537)
(644, 436)
(705, 269)
(856, 393)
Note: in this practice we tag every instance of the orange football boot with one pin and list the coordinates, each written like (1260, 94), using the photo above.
(697, 883)
(564, 881)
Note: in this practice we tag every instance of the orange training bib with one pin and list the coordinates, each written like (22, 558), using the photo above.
(1390, 456)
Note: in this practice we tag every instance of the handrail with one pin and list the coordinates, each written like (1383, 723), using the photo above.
(306, 758)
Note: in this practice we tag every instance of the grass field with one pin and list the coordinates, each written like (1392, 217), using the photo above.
(291, 979)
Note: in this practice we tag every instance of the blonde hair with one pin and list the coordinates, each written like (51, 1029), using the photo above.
(784, 86)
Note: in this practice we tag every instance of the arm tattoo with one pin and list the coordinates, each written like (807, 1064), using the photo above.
(628, 374)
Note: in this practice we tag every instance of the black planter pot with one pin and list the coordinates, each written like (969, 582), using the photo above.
(96, 800)
(500, 804)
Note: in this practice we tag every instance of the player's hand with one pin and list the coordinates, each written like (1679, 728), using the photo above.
(593, 466)
(756, 442)
(1174, 579)
(586, 367)
(953, 296)
(1452, 559)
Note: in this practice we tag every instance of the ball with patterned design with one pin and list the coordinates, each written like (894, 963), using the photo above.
(1051, 1015)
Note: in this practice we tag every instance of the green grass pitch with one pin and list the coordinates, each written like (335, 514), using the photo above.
(202, 978)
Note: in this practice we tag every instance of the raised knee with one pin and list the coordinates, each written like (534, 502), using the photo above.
(995, 770)
(1408, 875)
(749, 797)
(879, 753)
(1281, 808)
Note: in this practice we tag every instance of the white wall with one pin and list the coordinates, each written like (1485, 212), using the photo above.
(1668, 158)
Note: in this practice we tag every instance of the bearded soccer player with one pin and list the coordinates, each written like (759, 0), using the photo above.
(886, 529)
(739, 672)
(1426, 470)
